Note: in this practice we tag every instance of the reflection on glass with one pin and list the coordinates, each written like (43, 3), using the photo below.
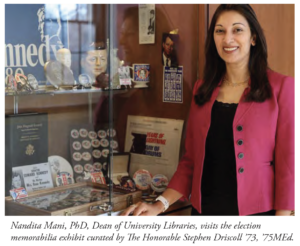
(83, 12)
(66, 198)
(68, 12)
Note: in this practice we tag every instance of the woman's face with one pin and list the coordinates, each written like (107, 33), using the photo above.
(131, 50)
(128, 40)
(233, 38)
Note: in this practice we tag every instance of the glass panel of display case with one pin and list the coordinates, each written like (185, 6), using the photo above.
(52, 89)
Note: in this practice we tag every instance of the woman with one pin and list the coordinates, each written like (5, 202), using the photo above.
(239, 156)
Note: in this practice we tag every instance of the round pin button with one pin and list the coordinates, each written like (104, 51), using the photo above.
(74, 133)
(102, 134)
(77, 156)
(159, 183)
(79, 179)
(86, 144)
(78, 168)
(241, 155)
(239, 128)
(105, 152)
(88, 167)
(96, 153)
(113, 144)
(97, 166)
(104, 142)
(92, 135)
(240, 142)
(86, 156)
(241, 170)
(142, 179)
(76, 145)
(95, 143)
(111, 132)
(83, 133)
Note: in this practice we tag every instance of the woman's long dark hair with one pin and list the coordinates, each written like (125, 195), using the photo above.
(215, 67)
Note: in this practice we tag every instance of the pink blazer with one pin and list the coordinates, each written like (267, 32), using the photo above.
(265, 173)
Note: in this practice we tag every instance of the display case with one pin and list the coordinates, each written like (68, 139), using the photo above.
(85, 83)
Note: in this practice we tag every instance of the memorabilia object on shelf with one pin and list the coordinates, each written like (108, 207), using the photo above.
(104, 142)
(77, 156)
(114, 144)
(64, 56)
(146, 23)
(111, 132)
(104, 166)
(169, 53)
(127, 182)
(173, 84)
(92, 134)
(142, 179)
(22, 82)
(102, 134)
(84, 198)
(86, 144)
(87, 176)
(96, 143)
(154, 144)
(120, 175)
(86, 156)
(32, 81)
(74, 133)
(18, 193)
(33, 177)
(97, 166)
(115, 61)
(141, 75)
(124, 75)
(58, 74)
(26, 142)
(96, 153)
(27, 139)
(78, 168)
(101, 81)
(60, 169)
(85, 80)
(89, 167)
(76, 145)
(105, 153)
(159, 183)
(115, 64)
(83, 133)
(11, 82)
(98, 177)
(94, 63)
(79, 179)
(64, 178)
(92, 156)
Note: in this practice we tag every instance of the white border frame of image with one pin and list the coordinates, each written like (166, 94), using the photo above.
(269, 224)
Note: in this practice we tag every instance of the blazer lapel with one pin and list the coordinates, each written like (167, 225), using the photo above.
(205, 114)
(242, 108)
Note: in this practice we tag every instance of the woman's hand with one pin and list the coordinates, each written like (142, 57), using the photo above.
(144, 209)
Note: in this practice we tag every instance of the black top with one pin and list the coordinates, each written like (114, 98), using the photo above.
(219, 183)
